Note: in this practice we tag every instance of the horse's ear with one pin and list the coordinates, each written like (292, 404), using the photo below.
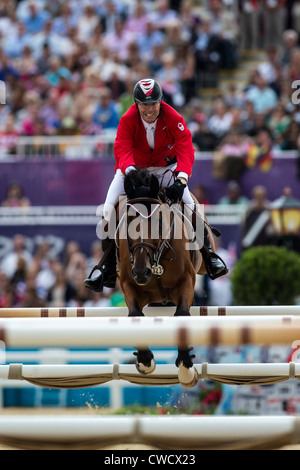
(129, 186)
(154, 186)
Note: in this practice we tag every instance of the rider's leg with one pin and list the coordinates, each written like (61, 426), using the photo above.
(115, 189)
(215, 266)
(107, 276)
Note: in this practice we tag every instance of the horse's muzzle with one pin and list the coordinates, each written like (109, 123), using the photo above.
(142, 278)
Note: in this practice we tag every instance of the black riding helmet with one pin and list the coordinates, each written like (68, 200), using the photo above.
(147, 91)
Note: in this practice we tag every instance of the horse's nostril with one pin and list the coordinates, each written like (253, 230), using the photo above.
(134, 273)
(148, 272)
(142, 277)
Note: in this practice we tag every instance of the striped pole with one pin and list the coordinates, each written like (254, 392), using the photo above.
(148, 311)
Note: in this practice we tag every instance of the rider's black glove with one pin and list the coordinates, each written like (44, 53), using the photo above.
(175, 192)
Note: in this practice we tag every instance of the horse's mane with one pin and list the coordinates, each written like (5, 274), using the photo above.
(141, 183)
(139, 177)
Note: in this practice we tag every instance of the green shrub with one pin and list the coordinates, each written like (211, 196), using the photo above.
(266, 275)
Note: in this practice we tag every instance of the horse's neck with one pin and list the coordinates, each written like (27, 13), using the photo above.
(120, 211)
(166, 221)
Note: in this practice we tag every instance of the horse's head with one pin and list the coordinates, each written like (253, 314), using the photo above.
(141, 188)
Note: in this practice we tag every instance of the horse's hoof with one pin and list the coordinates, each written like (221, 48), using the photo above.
(145, 362)
(188, 378)
(145, 370)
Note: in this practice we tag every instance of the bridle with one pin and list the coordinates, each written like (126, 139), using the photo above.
(156, 250)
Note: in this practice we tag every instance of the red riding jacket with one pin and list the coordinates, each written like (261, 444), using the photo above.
(172, 141)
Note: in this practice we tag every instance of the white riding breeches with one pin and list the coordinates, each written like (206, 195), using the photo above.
(165, 176)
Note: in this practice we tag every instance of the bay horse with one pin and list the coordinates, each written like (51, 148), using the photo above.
(155, 270)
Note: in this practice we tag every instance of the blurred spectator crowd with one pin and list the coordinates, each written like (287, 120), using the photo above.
(37, 278)
(69, 67)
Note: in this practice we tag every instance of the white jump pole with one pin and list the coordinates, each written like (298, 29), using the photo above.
(165, 432)
(143, 331)
(66, 429)
(148, 311)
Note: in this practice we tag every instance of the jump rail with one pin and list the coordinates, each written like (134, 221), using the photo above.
(148, 311)
(248, 325)
(144, 331)
(80, 375)
(165, 432)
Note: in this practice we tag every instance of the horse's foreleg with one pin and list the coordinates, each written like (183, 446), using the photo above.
(182, 310)
(135, 308)
(135, 311)
(185, 296)
(145, 362)
(187, 374)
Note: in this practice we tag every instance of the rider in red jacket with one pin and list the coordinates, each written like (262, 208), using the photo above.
(172, 140)
(151, 134)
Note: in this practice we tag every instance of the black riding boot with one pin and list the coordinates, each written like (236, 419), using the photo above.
(108, 275)
(215, 266)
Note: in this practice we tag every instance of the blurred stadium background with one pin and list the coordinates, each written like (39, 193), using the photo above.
(67, 70)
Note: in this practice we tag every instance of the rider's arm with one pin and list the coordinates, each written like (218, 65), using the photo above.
(183, 177)
(182, 138)
(123, 147)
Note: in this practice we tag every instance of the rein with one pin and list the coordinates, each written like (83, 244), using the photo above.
(155, 251)
(158, 248)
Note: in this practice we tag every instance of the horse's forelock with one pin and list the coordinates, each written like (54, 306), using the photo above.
(140, 177)
(139, 181)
